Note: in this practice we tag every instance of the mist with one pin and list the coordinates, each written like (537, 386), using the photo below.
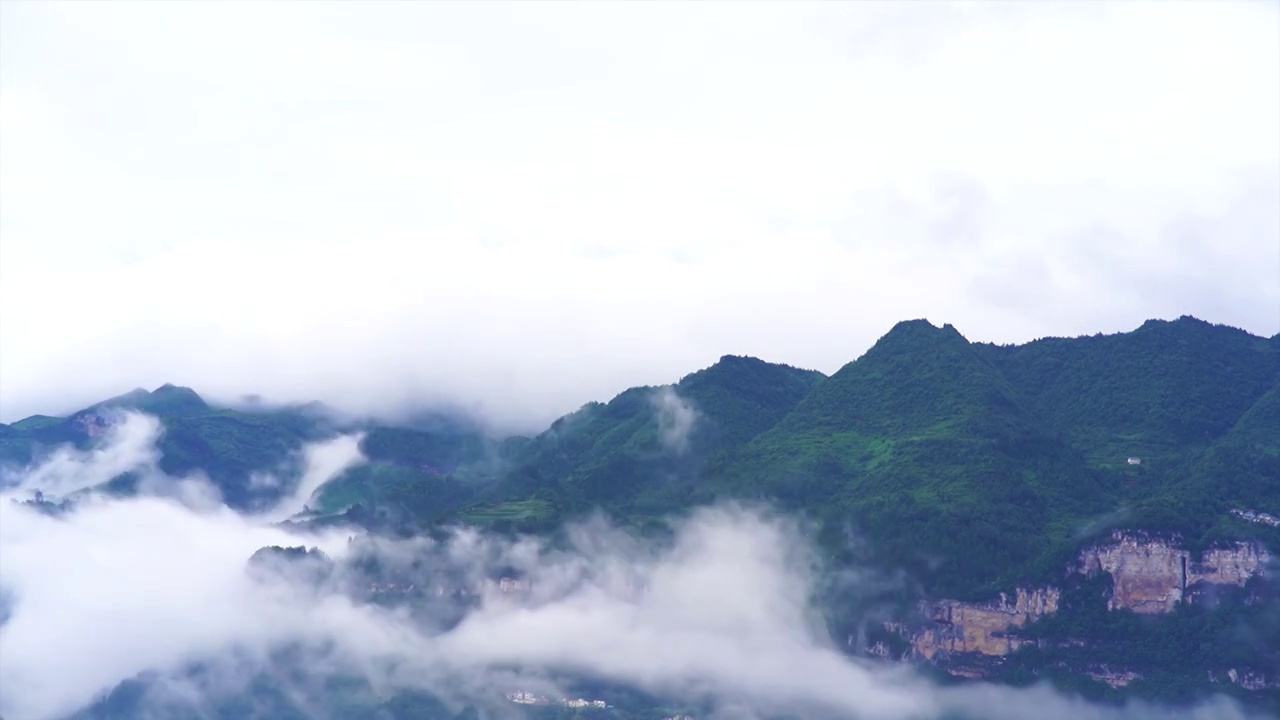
(322, 462)
(722, 612)
(676, 418)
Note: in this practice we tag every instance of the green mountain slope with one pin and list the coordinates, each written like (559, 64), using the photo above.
(972, 467)
(643, 452)
(424, 476)
(922, 445)
(1241, 471)
(228, 446)
(412, 469)
(1161, 391)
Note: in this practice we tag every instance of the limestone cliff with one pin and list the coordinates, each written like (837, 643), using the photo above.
(960, 627)
(1151, 575)
(1230, 566)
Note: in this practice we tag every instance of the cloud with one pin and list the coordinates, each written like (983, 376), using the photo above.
(322, 462)
(721, 613)
(676, 418)
(592, 199)
(129, 445)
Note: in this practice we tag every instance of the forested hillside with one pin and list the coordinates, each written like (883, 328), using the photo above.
(971, 469)
(975, 464)
(646, 451)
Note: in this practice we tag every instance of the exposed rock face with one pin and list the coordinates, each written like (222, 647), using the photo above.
(93, 425)
(983, 628)
(1230, 566)
(1151, 575)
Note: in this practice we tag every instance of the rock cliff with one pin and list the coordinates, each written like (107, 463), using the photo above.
(959, 627)
(1152, 575)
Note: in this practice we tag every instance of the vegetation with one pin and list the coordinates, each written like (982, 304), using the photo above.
(647, 452)
(1180, 657)
(228, 446)
(972, 467)
(924, 448)
(1157, 392)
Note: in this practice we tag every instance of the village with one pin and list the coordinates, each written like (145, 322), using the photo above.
(525, 698)
(1256, 517)
(505, 586)
(521, 697)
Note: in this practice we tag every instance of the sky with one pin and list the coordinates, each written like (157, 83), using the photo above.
(723, 613)
(522, 207)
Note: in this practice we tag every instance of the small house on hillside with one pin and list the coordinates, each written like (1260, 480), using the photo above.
(1135, 461)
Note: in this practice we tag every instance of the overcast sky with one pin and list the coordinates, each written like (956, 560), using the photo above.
(528, 206)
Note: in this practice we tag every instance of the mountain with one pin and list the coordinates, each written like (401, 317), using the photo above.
(1042, 501)
(1159, 392)
(927, 449)
(643, 453)
(1192, 401)
(417, 476)
(1240, 470)
(228, 446)
(167, 400)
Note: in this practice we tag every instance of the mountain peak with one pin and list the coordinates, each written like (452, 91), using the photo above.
(737, 370)
(1186, 322)
(1182, 320)
(919, 379)
(918, 335)
(171, 390)
(923, 326)
(737, 363)
(173, 399)
(730, 359)
(166, 400)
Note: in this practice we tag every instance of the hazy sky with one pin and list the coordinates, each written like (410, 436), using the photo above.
(527, 206)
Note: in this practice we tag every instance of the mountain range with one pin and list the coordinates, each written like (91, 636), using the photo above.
(975, 469)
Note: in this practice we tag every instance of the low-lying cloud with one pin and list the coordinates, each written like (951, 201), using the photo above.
(721, 613)
(129, 446)
(322, 462)
(676, 417)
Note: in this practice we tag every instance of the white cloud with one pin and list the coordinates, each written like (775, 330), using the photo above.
(322, 462)
(528, 206)
(676, 418)
(128, 444)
